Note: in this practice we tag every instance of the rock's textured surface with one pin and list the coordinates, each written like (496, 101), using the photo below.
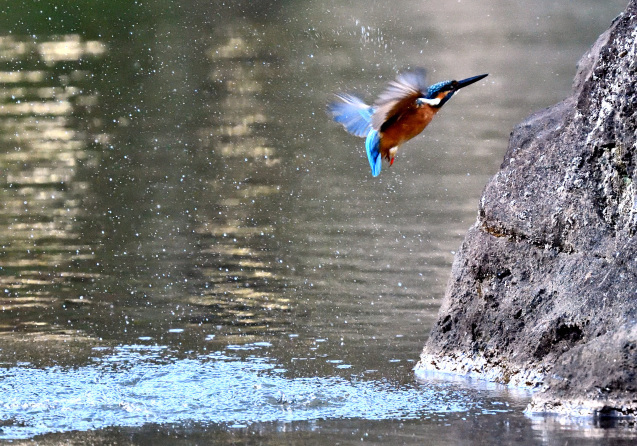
(544, 289)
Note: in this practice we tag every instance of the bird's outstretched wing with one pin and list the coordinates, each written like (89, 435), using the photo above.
(398, 95)
(353, 113)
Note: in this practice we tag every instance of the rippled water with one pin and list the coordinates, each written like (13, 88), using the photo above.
(137, 385)
(191, 249)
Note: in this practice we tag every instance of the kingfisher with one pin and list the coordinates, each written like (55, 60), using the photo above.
(401, 112)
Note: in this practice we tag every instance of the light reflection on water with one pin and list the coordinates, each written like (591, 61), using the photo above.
(42, 192)
(235, 276)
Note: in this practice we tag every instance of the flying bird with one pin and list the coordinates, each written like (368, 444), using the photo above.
(401, 112)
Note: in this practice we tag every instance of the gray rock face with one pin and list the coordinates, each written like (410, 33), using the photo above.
(544, 288)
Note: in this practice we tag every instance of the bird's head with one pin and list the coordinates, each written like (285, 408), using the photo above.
(438, 94)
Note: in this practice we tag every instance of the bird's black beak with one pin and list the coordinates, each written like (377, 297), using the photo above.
(468, 81)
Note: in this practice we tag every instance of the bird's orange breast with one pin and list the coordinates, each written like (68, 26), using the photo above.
(409, 124)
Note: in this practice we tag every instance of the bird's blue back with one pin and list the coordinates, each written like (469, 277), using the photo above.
(356, 117)
(372, 147)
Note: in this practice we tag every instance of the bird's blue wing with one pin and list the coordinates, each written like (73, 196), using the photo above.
(354, 114)
(372, 147)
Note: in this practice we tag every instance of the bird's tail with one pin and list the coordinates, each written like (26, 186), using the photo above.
(372, 147)
(354, 114)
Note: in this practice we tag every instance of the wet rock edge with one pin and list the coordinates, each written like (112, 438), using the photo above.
(543, 292)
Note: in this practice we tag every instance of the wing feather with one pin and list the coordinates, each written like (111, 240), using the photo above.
(398, 95)
(353, 113)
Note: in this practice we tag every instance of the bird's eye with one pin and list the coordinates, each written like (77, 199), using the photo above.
(453, 85)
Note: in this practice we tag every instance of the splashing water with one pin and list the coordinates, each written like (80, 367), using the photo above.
(132, 388)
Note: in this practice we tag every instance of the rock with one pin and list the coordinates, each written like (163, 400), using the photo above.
(543, 291)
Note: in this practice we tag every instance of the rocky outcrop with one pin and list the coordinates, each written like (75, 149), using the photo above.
(544, 288)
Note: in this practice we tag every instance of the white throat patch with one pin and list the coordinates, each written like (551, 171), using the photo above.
(431, 102)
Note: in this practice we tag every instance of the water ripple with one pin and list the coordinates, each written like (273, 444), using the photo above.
(135, 386)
